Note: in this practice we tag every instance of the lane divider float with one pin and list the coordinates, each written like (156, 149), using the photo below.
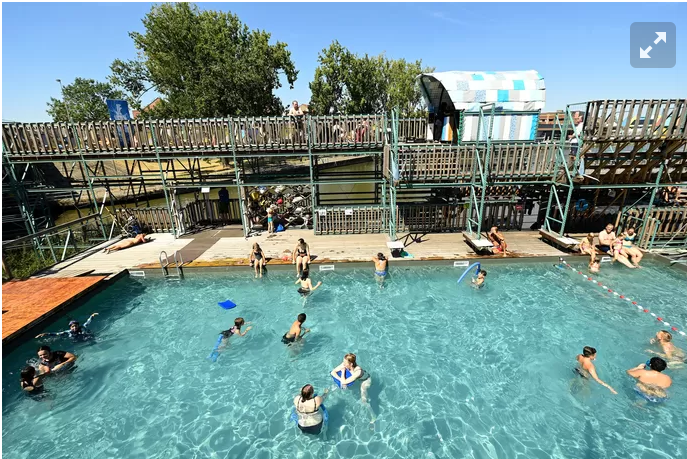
(620, 296)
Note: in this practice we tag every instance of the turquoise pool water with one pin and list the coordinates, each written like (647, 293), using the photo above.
(456, 372)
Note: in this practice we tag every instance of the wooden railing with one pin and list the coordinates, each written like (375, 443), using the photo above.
(151, 219)
(453, 217)
(207, 211)
(194, 135)
(412, 129)
(631, 120)
(437, 162)
(351, 219)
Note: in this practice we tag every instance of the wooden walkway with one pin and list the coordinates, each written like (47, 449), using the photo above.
(27, 303)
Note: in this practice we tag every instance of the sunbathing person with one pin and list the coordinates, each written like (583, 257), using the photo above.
(126, 243)
(587, 247)
(498, 240)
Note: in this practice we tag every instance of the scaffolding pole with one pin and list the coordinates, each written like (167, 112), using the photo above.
(480, 171)
(164, 181)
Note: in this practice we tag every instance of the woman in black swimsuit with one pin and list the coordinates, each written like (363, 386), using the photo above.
(306, 284)
(301, 256)
(257, 259)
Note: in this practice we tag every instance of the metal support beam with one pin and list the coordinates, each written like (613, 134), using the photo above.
(164, 181)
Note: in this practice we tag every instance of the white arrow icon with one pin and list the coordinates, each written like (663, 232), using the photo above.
(661, 36)
(644, 53)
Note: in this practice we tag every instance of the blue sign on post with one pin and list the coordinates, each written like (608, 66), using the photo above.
(119, 109)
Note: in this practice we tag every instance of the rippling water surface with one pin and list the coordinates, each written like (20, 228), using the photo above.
(456, 372)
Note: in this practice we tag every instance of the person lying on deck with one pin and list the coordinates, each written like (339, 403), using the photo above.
(126, 243)
(496, 238)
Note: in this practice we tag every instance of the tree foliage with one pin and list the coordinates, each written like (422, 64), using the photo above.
(85, 100)
(205, 64)
(348, 83)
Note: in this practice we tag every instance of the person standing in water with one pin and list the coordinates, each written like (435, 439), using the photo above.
(309, 410)
(651, 382)
(357, 374)
(54, 361)
(478, 282)
(31, 382)
(76, 331)
(306, 284)
(381, 264)
(586, 367)
(295, 333)
(671, 353)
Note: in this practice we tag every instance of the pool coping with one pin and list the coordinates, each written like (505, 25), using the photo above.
(28, 331)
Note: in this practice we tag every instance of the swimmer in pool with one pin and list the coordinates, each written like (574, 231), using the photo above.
(308, 410)
(357, 374)
(306, 284)
(31, 382)
(76, 332)
(295, 333)
(586, 366)
(594, 267)
(380, 268)
(650, 379)
(672, 354)
(235, 330)
(54, 361)
(478, 282)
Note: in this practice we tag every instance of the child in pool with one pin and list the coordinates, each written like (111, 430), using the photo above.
(594, 267)
(478, 282)
(671, 353)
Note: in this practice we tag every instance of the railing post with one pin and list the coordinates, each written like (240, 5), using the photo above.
(237, 177)
(647, 214)
(309, 137)
(164, 180)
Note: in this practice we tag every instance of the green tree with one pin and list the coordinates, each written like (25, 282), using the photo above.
(84, 99)
(205, 64)
(364, 84)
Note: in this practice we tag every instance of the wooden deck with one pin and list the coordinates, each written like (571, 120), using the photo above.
(27, 303)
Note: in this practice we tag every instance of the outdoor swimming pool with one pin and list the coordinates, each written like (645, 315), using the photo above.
(456, 372)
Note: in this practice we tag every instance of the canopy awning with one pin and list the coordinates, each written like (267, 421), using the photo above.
(521, 90)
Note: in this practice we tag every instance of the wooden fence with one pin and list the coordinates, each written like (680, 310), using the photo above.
(351, 220)
(151, 219)
(413, 129)
(207, 211)
(632, 120)
(194, 135)
(438, 162)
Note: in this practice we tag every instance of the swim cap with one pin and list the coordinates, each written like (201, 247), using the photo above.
(73, 322)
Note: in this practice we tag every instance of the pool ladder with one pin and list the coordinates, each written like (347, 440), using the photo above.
(178, 263)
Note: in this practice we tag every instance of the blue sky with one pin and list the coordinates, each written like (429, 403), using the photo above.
(581, 49)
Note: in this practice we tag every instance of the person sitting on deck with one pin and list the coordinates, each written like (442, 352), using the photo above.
(675, 356)
(295, 333)
(606, 238)
(76, 331)
(126, 243)
(380, 267)
(587, 247)
(301, 256)
(619, 253)
(651, 382)
(629, 248)
(496, 238)
(54, 361)
(306, 284)
(586, 367)
(257, 259)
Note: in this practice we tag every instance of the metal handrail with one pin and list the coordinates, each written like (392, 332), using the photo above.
(52, 229)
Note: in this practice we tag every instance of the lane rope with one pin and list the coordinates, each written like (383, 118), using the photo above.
(620, 296)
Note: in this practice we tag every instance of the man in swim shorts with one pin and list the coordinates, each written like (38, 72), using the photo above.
(651, 382)
(380, 267)
(294, 334)
(606, 238)
(671, 353)
(586, 367)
